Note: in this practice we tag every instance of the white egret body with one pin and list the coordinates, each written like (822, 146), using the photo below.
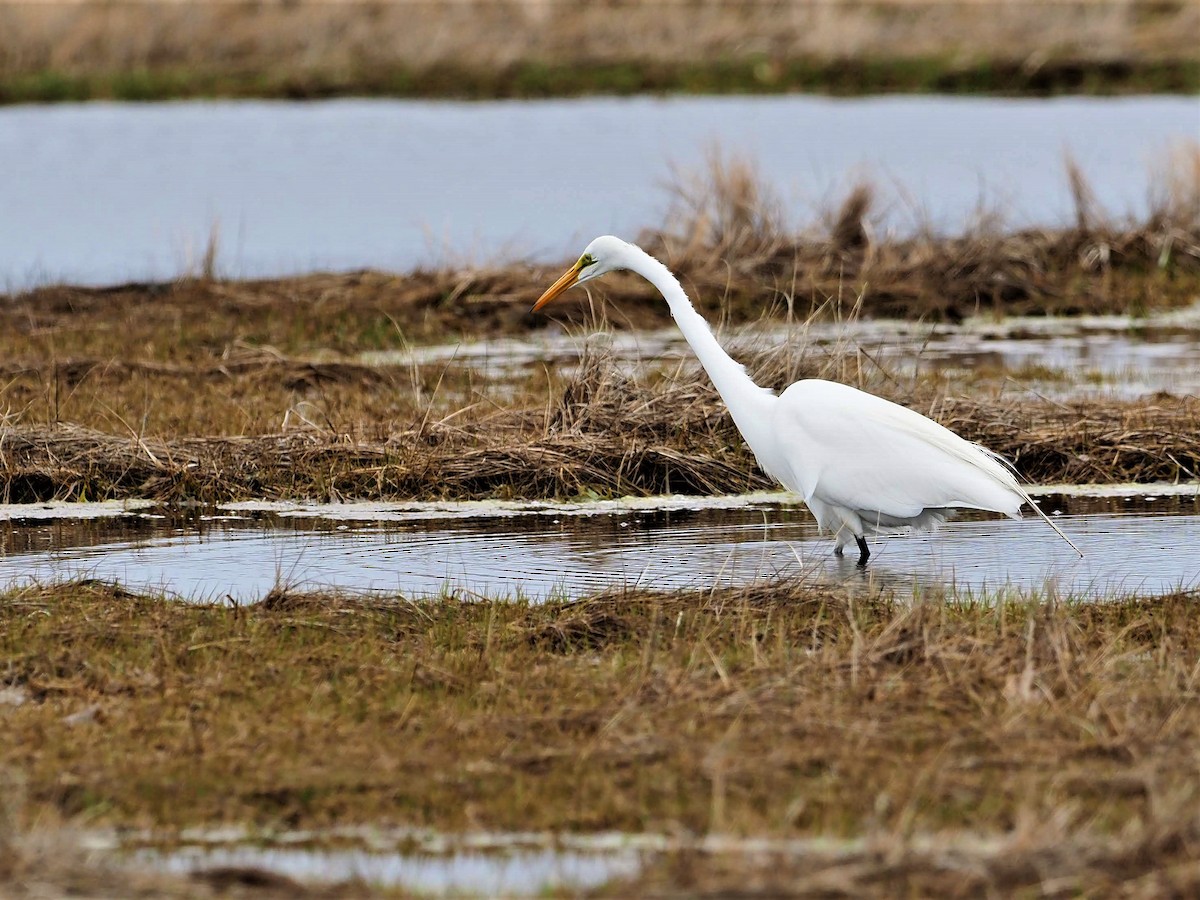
(862, 464)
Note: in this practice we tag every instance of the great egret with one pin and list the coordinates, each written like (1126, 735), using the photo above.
(862, 464)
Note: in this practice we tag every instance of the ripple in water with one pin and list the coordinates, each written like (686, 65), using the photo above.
(1145, 544)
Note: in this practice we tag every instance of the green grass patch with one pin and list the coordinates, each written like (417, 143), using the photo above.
(533, 79)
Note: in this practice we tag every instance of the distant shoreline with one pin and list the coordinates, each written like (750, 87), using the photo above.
(484, 49)
(533, 80)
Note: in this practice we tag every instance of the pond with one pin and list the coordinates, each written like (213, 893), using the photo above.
(101, 193)
(1143, 540)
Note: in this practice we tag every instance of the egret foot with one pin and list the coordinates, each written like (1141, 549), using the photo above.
(839, 550)
(864, 552)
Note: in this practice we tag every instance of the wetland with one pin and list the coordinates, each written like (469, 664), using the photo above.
(371, 583)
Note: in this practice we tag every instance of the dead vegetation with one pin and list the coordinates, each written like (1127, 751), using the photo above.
(729, 240)
(78, 50)
(1036, 859)
(1012, 744)
(49, 861)
(600, 433)
(1060, 735)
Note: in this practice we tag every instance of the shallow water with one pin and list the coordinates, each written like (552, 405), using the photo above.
(470, 863)
(493, 863)
(1141, 542)
(390, 184)
(514, 872)
(1114, 356)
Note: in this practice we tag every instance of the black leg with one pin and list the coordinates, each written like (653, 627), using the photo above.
(864, 552)
(839, 550)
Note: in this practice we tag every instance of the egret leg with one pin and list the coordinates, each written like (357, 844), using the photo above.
(864, 552)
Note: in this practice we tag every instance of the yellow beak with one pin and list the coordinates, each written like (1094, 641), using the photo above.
(569, 277)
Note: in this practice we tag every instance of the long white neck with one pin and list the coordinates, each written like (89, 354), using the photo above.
(748, 403)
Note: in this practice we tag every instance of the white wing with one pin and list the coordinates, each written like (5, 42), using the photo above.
(862, 452)
(851, 449)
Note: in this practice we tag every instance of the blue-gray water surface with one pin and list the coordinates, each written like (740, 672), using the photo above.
(513, 873)
(1144, 543)
(100, 193)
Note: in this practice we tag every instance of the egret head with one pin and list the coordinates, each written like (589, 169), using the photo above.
(604, 254)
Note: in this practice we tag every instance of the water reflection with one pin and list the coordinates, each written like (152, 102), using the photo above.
(1145, 543)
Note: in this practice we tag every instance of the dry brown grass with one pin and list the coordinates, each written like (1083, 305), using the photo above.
(1063, 734)
(48, 859)
(312, 48)
(728, 240)
(1038, 859)
(344, 35)
(600, 432)
(49, 862)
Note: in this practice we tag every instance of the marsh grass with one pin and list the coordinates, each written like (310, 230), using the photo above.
(599, 432)
(48, 861)
(727, 236)
(1036, 859)
(777, 710)
(530, 48)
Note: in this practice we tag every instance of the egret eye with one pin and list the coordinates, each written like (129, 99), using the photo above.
(586, 260)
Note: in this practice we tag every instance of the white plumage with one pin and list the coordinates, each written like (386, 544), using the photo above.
(862, 464)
